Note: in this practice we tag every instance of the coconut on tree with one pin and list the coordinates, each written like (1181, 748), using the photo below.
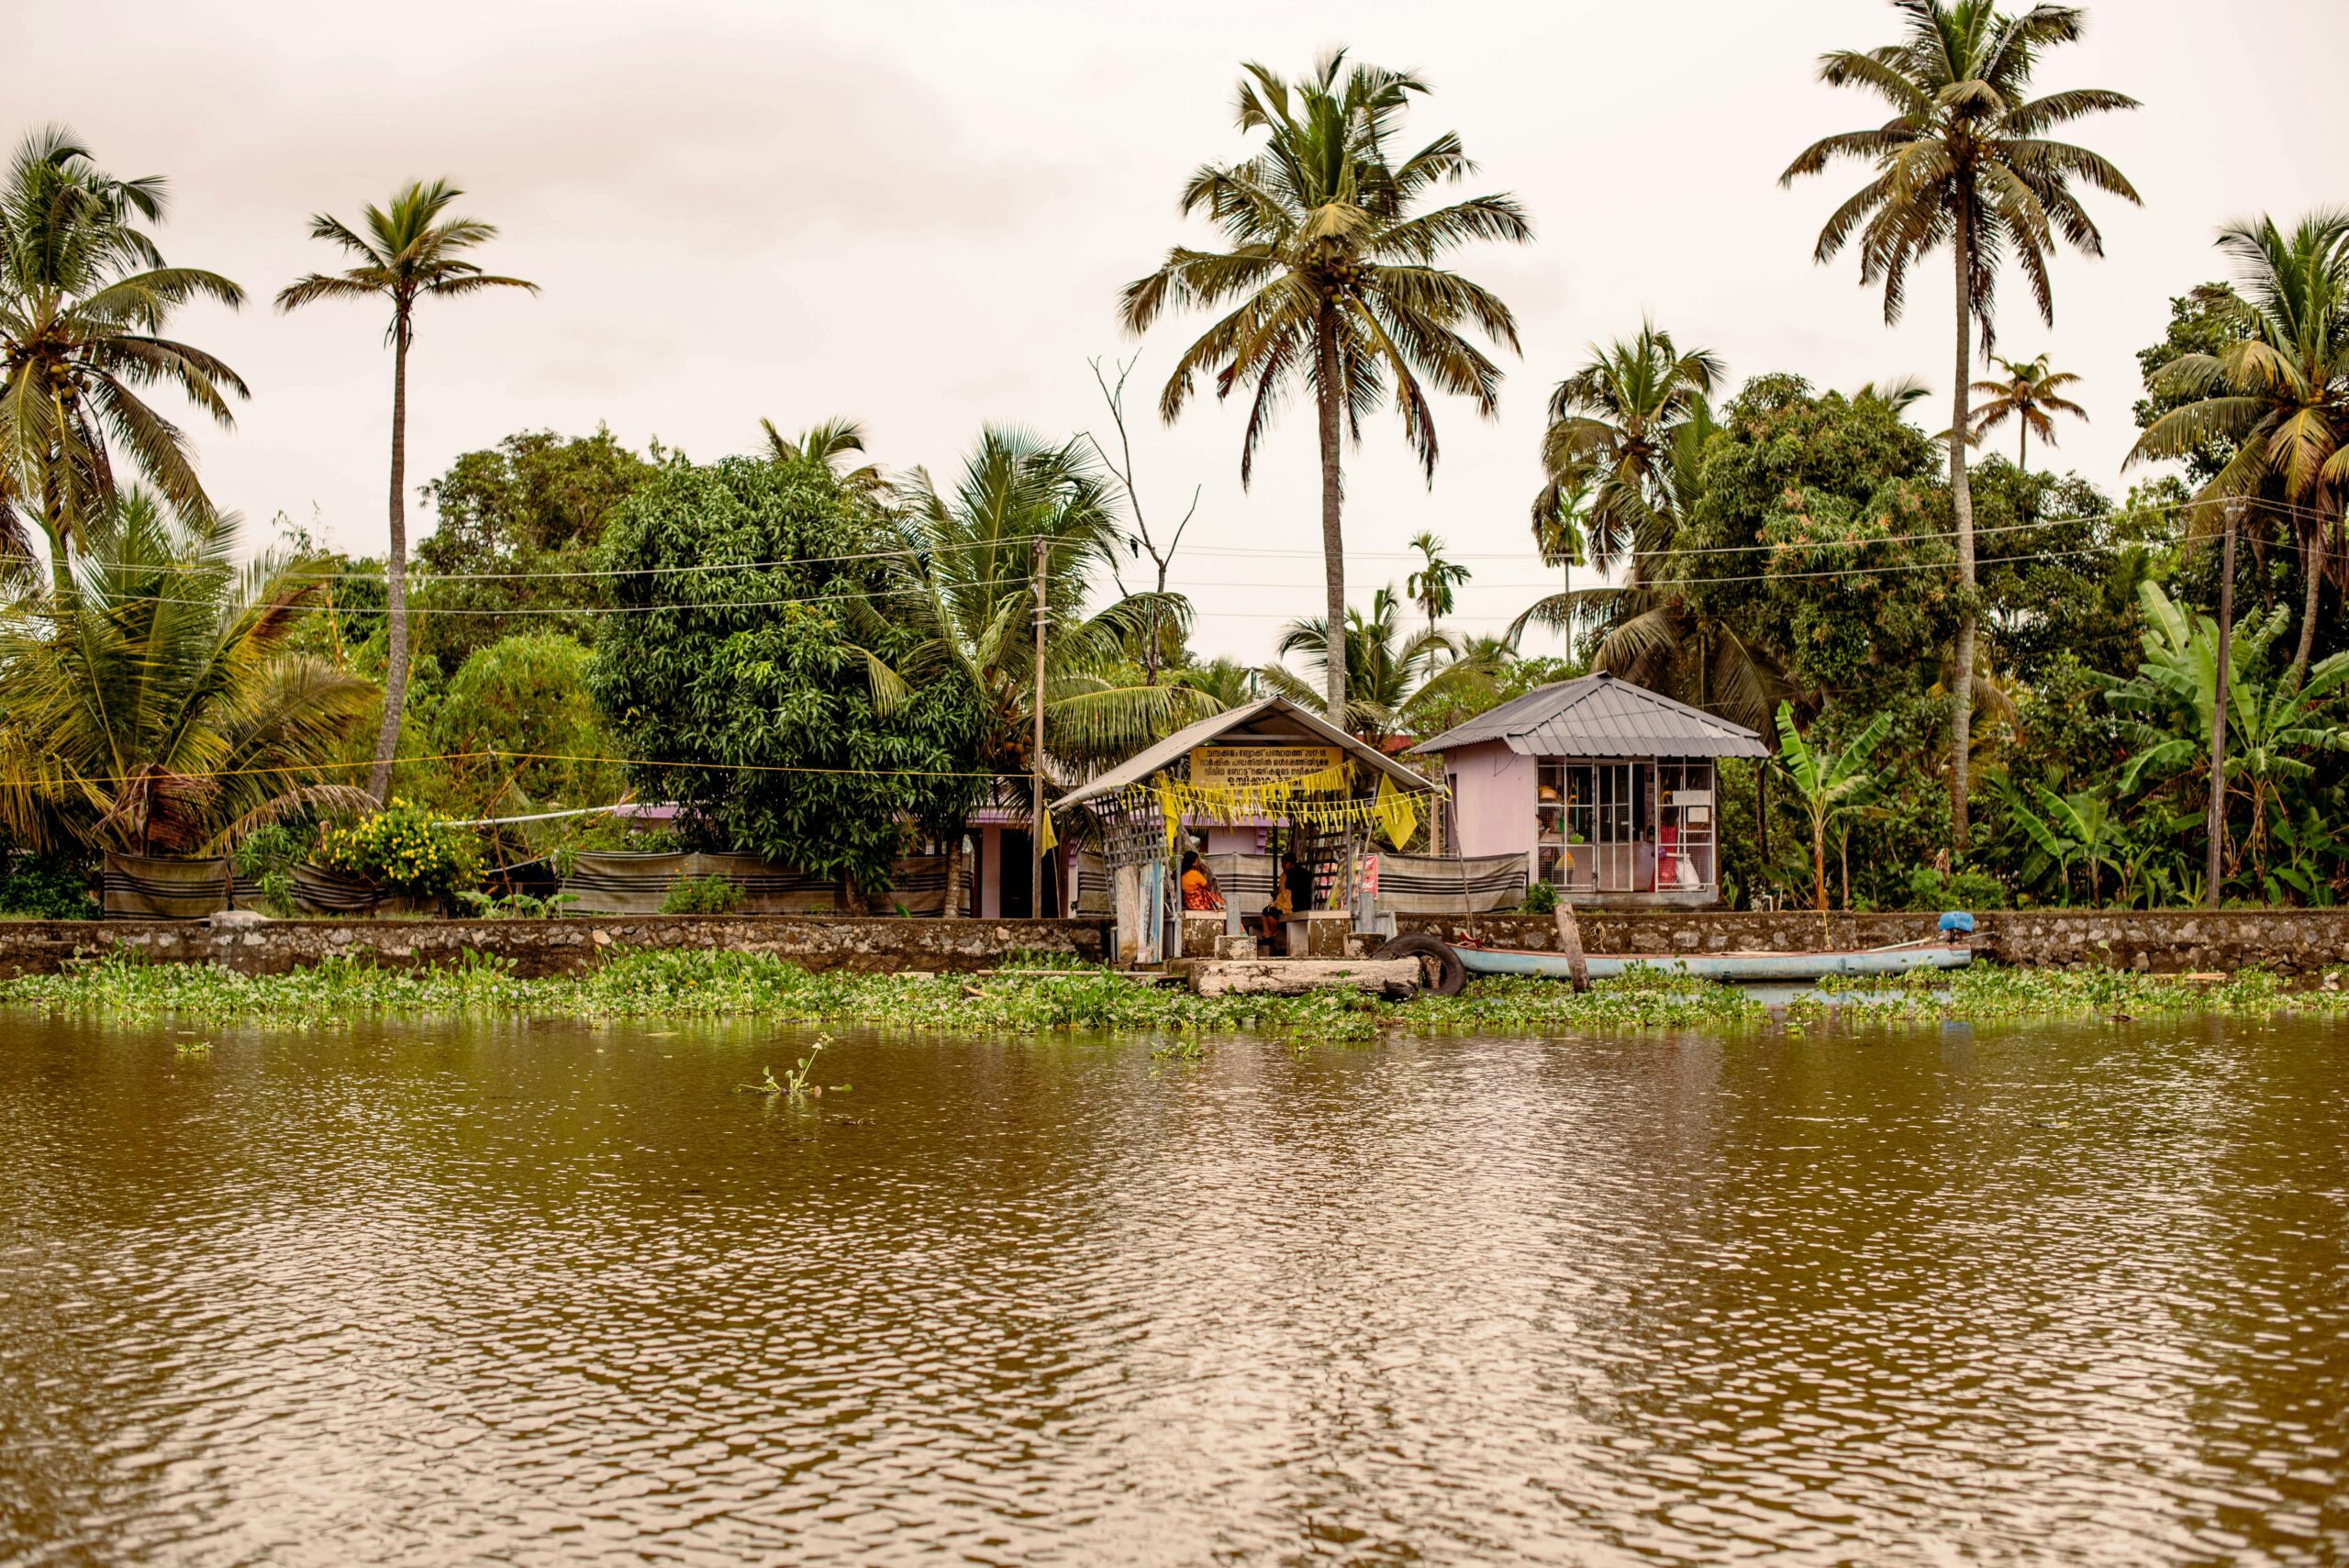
(1329, 280)
(412, 251)
(1965, 161)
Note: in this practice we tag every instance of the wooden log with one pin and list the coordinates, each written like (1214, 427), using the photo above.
(1392, 977)
(1570, 943)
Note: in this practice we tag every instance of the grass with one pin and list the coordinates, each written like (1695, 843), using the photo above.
(672, 982)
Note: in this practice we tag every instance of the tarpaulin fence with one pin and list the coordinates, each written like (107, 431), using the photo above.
(1408, 885)
(141, 888)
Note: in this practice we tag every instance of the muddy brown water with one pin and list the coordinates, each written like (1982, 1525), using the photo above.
(423, 1293)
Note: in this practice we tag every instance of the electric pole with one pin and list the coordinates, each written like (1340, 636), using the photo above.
(1035, 743)
(2218, 825)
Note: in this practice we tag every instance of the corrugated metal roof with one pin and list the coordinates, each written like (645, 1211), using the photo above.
(1599, 716)
(1273, 718)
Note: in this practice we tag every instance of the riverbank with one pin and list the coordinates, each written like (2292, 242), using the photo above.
(647, 983)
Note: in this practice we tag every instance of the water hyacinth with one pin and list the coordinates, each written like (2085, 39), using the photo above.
(1033, 999)
(672, 982)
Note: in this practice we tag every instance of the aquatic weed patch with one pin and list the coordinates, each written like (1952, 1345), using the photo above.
(1989, 991)
(672, 982)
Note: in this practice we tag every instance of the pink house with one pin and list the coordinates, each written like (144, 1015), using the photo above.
(1605, 788)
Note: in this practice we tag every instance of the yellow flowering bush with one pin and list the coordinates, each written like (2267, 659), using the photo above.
(403, 850)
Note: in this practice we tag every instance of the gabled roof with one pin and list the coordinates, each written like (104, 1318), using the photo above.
(1599, 716)
(1272, 719)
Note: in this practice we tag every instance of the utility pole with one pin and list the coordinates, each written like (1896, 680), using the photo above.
(2217, 823)
(1035, 743)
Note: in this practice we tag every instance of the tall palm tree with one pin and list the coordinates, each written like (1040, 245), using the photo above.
(2280, 394)
(84, 299)
(1612, 424)
(1334, 280)
(967, 588)
(411, 251)
(1433, 586)
(829, 442)
(2031, 395)
(1964, 161)
(1392, 676)
(152, 705)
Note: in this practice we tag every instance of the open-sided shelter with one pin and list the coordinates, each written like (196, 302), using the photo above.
(1609, 790)
(1266, 761)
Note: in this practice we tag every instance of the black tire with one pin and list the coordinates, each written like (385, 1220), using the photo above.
(1439, 967)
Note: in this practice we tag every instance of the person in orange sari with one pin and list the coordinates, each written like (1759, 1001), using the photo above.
(1199, 891)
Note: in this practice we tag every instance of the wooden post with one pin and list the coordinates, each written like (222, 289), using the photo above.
(1036, 752)
(2214, 867)
(1570, 943)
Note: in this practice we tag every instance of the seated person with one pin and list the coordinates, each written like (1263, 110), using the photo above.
(1199, 889)
(1292, 892)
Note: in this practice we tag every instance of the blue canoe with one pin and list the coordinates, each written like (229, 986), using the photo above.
(1739, 967)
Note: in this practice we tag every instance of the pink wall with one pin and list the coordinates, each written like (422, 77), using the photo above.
(1493, 803)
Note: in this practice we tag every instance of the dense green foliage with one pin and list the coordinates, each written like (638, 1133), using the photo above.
(522, 730)
(731, 676)
(513, 550)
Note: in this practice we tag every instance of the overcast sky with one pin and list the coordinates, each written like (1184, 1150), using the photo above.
(920, 214)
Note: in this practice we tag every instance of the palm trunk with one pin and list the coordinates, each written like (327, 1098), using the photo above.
(2023, 450)
(2313, 568)
(952, 907)
(1333, 542)
(1962, 501)
(388, 738)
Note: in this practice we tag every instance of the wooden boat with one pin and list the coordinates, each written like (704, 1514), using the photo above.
(1735, 967)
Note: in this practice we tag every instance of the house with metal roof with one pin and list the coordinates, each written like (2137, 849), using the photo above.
(1607, 789)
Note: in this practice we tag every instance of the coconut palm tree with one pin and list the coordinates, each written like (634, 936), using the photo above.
(830, 443)
(2031, 395)
(1965, 161)
(1431, 587)
(1393, 677)
(151, 704)
(1333, 280)
(1612, 424)
(84, 299)
(966, 587)
(2280, 394)
(412, 251)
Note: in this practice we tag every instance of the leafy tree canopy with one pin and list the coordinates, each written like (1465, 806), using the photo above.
(526, 698)
(738, 690)
(535, 503)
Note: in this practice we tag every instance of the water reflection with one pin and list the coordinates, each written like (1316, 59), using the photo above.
(561, 1294)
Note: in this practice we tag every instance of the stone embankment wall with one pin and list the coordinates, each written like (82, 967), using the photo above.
(554, 947)
(2290, 942)
(2166, 940)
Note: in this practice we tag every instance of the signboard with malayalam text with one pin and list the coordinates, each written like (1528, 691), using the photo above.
(1254, 767)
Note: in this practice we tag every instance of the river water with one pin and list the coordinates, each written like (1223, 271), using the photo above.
(423, 1293)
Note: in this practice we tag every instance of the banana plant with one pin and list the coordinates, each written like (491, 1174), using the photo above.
(2072, 829)
(1830, 781)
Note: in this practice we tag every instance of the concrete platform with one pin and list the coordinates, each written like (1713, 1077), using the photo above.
(1392, 977)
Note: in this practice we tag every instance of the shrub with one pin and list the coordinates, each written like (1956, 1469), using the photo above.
(50, 888)
(1967, 889)
(266, 858)
(1540, 898)
(403, 850)
(702, 896)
